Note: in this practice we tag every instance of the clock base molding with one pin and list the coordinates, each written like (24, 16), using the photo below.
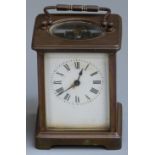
(46, 139)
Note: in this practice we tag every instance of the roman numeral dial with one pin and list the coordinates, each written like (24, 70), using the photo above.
(59, 91)
(77, 99)
(92, 74)
(87, 97)
(77, 65)
(86, 67)
(57, 82)
(94, 91)
(77, 82)
(67, 67)
(67, 97)
(61, 74)
(96, 81)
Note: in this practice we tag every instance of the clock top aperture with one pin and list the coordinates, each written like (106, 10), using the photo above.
(42, 39)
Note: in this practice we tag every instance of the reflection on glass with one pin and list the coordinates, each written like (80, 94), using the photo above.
(76, 30)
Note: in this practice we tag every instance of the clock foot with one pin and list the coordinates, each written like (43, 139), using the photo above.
(42, 144)
(45, 139)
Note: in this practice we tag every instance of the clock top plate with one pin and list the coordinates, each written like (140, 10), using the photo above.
(43, 40)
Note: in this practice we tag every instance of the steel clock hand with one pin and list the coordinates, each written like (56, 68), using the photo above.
(80, 74)
(73, 85)
(77, 82)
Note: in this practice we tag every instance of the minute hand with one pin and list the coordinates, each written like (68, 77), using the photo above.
(73, 85)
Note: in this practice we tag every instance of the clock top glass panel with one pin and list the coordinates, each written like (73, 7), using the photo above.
(77, 91)
(76, 30)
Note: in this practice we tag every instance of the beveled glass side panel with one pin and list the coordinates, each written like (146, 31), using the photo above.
(76, 30)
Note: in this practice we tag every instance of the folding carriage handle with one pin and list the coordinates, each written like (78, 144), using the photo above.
(86, 8)
(82, 8)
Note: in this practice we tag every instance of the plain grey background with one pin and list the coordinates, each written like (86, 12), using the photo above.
(35, 7)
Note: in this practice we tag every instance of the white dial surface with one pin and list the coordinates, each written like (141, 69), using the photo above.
(77, 90)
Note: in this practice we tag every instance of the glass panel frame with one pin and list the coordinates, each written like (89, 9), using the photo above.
(76, 30)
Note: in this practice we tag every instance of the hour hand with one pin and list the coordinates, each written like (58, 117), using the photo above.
(80, 73)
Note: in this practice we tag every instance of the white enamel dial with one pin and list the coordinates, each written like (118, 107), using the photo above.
(77, 81)
(77, 90)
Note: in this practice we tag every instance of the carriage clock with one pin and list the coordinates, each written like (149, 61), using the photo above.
(76, 56)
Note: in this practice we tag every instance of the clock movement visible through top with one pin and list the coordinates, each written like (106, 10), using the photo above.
(76, 56)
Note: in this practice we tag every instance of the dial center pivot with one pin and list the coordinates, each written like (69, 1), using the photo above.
(76, 83)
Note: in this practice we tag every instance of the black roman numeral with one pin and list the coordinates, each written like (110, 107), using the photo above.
(93, 74)
(67, 67)
(87, 97)
(67, 97)
(86, 67)
(57, 82)
(77, 99)
(93, 90)
(60, 74)
(60, 90)
(96, 81)
(77, 65)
